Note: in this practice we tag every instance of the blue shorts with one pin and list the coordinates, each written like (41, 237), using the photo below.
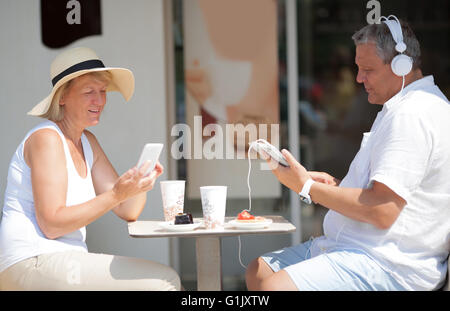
(337, 269)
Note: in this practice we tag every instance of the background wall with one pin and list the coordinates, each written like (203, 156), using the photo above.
(132, 37)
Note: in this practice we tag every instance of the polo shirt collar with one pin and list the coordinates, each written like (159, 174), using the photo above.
(418, 84)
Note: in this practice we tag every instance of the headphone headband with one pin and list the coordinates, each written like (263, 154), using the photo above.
(401, 64)
(396, 31)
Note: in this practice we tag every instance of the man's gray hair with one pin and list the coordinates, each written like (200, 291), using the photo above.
(382, 37)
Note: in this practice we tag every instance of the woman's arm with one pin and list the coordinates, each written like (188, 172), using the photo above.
(104, 177)
(44, 154)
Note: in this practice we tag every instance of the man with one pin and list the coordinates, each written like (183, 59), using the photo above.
(388, 222)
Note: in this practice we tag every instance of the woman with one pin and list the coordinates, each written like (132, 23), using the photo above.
(60, 180)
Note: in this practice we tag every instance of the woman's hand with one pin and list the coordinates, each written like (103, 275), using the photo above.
(134, 181)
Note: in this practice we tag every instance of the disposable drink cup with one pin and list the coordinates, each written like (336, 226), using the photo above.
(214, 200)
(172, 192)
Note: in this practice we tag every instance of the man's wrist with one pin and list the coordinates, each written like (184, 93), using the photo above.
(304, 193)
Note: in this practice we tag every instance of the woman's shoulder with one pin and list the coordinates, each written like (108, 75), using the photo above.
(91, 138)
(46, 129)
(89, 135)
(94, 144)
(42, 143)
(44, 138)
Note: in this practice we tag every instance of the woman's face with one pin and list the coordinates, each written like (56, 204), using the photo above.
(84, 100)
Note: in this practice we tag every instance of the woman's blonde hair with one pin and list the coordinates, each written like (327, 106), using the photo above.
(55, 112)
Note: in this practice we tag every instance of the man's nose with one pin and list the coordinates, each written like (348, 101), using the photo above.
(360, 77)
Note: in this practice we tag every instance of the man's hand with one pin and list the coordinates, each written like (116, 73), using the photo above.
(324, 178)
(294, 176)
(378, 205)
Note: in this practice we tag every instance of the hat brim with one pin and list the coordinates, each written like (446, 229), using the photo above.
(122, 81)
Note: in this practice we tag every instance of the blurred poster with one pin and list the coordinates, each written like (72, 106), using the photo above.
(231, 76)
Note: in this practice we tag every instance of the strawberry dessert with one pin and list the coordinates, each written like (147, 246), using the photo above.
(245, 216)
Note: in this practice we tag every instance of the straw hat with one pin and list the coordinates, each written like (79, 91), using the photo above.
(76, 62)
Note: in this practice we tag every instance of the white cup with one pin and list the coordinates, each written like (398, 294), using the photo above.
(172, 192)
(214, 200)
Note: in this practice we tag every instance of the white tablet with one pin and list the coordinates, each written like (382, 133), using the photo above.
(150, 152)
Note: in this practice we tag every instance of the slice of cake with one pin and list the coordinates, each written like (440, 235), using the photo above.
(183, 219)
(245, 216)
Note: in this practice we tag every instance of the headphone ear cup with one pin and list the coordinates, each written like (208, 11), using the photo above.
(401, 65)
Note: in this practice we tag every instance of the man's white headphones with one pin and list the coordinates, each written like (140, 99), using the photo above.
(401, 64)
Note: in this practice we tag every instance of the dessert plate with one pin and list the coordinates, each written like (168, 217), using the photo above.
(250, 225)
(170, 226)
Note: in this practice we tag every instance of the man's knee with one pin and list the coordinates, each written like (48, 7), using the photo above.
(252, 267)
(279, 281)
(259, 276)
(256, 272)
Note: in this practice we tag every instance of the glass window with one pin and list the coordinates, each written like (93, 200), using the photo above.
(335, 110)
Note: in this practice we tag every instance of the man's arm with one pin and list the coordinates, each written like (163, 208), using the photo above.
(378, 205)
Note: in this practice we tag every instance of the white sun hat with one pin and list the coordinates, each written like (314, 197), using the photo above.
(76, 62)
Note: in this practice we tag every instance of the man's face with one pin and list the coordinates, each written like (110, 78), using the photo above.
(379, 81)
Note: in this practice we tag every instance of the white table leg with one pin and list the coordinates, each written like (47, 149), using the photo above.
(209, 267)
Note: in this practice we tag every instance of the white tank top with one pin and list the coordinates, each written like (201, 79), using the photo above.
(20, 235)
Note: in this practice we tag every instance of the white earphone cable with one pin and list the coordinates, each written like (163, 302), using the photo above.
(248, 178)
(239, 253)
(252, 146)
(249, 197)
(403, 85)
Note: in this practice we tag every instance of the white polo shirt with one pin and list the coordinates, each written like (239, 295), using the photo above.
(408, 150)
